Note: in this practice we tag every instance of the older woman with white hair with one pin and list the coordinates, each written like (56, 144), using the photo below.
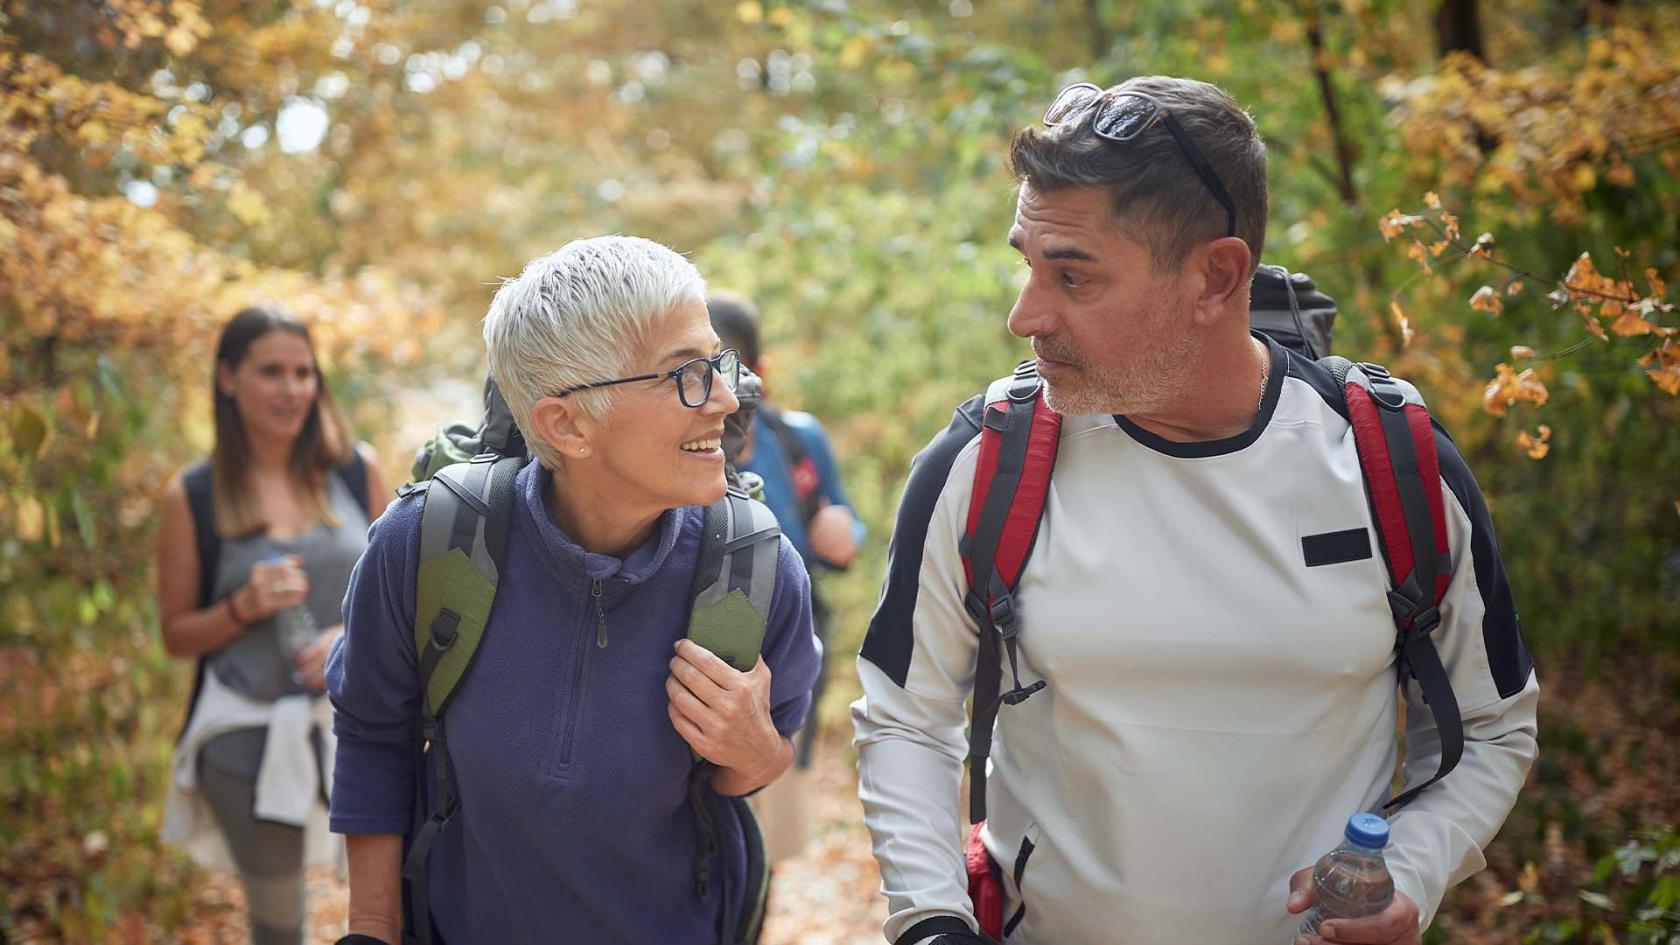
(574, 733)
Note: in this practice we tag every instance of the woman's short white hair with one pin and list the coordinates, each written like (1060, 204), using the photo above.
(578, 315)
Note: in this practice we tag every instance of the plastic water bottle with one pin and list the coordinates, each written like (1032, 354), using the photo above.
(1352, 881)
(295, 629)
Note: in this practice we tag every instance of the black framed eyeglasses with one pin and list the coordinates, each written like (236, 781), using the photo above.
(1122, 116)
(693, 377)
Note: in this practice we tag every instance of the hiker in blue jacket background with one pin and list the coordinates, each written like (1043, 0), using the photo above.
(573, 733)
(789, 450)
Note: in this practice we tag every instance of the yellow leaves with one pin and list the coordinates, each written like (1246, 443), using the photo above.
(1515, 287)
(1509, 387)
(1521, 352)
(180, 41)
(1538, 445)
(1544, 135)
(94, 133)
(1658, 287)
(853, 52)
(1486, 299)
(1481, 247)
(1584, 178)
(749, 12)
(247, 204)
(1432, 200)
(31, 519)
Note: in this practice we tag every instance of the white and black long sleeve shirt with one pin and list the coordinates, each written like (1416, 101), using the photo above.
(1218, 701)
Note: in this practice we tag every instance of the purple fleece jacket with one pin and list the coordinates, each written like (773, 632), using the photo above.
(575, 823)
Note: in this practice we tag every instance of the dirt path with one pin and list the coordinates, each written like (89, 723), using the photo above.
(825, 896)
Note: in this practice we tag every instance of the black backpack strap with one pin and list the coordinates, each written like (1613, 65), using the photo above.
(1396, 443)
(1018, 441)
(195, 479)
(354, 473)
(196, 482)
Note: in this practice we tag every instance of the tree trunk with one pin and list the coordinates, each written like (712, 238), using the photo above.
(1458, 28)
(1100, 40)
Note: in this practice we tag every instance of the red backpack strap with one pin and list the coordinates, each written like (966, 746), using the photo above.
(1396, 444)
(1018, 440)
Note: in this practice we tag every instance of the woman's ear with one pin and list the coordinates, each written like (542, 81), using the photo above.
(224, 378)
(566, 428)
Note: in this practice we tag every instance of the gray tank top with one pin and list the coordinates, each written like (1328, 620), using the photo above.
(253, 664)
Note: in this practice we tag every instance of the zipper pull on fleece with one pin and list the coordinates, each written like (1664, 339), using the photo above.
(600, 615)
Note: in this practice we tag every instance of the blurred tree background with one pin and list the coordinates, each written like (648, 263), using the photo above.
(379, 164)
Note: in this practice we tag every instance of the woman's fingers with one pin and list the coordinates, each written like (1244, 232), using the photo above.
(688, 704)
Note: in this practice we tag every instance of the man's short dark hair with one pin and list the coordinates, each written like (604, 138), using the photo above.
(1158, 198)
(735, 319)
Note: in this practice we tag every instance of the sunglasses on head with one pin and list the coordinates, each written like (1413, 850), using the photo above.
(1123, 115)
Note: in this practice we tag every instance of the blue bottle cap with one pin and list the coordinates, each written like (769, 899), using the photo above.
(1367, 830)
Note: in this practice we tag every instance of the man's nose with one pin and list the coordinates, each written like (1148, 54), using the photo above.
(1032, 314)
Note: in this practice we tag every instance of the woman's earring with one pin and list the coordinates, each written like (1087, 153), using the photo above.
(583, 451)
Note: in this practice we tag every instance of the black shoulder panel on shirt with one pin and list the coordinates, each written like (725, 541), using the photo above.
(1319, 378)
(891, 636)
(1507, 653)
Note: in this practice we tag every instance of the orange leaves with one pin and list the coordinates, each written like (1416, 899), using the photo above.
(1662, 366)
(1629, 313)
(1395, 223)
(1486, 299)
(1509, 387)
(1536, 446)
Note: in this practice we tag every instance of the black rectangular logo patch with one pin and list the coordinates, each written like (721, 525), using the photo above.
(1336, 547)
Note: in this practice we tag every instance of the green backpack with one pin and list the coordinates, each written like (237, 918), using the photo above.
(467, 478)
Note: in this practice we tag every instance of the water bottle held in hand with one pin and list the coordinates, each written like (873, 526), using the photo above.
(294, 626)
(1352, 881)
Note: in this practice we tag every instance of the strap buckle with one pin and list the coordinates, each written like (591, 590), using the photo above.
(1020, 694)
(1384, 389)
(1002, 613)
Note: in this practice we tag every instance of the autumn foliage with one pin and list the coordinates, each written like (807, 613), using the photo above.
(377, 165)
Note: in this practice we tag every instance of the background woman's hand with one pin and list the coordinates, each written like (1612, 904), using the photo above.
(274, 586)
(832, 537)
(722, 713)
(312, 659)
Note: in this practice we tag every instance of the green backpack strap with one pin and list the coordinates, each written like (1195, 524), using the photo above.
(463, 548)
(734, 582)
(735, 579)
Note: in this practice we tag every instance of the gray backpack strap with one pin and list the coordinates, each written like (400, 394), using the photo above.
(463, 548)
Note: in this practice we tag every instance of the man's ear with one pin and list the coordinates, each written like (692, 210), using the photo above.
(1224, 265)
(564, 426)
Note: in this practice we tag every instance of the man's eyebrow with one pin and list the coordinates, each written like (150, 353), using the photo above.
(1067, 252)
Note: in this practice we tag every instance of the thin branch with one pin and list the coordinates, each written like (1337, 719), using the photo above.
(1332, 112)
